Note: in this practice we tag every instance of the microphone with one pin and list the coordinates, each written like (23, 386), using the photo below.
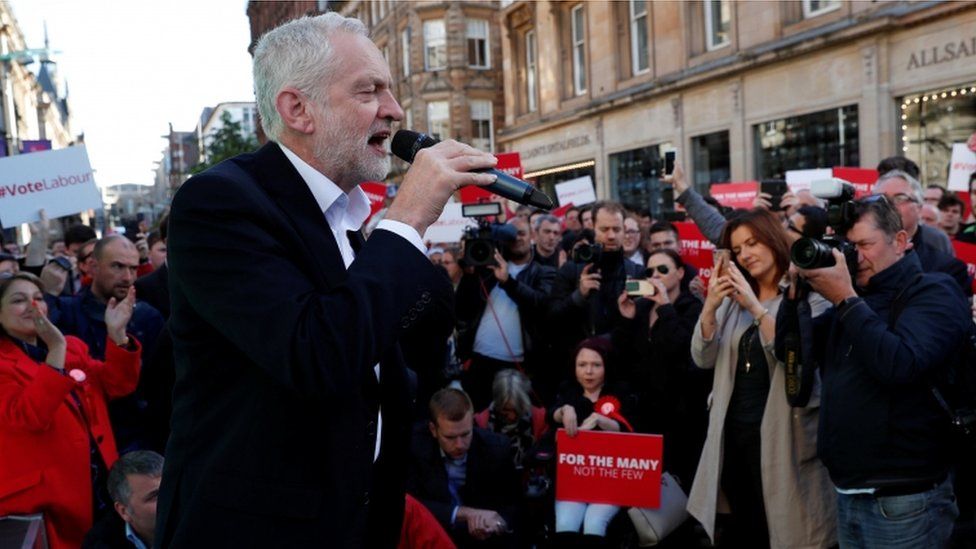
(406, 144)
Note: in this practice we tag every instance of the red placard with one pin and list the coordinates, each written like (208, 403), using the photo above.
(862, 178)
(376, 193)
(966, 253)
(696, 250)
(735, 195)
(614, 468)
(510, 163)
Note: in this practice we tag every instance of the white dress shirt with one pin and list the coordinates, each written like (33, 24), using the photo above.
(348, 212)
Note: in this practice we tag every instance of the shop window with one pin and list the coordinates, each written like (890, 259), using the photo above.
(639, 58)
(710, 159)
(931, 122)
(635, 180)
(813, 8)
(481, 126)
(478, 57)
(439, 119)
(578, 35)
(718, 22)
(818, 140)
(435, 45)
(547, 179)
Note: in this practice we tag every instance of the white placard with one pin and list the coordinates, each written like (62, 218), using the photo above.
(963, 164)
(449, 227)
(61, 182)
(579, 191)
(799, 180)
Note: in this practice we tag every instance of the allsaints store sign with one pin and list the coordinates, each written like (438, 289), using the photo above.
(950, 51)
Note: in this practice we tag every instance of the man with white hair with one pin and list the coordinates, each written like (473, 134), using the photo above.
(291, 411)
(932, 245)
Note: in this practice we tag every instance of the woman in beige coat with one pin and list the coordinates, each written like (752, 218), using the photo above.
(760, 453)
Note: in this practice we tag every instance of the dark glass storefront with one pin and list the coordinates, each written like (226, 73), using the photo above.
(930, 123)
(547, 179)
(817, 140)
(710, 160)
(635, 180)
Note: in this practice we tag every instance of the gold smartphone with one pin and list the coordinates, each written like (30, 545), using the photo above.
(722, 257)
(640, 287)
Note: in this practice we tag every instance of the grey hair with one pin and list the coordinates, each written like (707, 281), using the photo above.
(511, 387)
(912, 182)
(140, 462)
(545, 218)
(298, 54)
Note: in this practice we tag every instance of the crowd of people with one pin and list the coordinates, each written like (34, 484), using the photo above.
(108, 365)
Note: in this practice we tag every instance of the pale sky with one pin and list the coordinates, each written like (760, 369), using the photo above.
(134, 66)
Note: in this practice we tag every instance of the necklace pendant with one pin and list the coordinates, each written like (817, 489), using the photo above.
(748, 366)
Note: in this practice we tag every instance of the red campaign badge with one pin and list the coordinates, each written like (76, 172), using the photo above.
(609, 406)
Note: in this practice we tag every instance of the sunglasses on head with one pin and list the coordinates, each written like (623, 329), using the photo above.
(663, 269)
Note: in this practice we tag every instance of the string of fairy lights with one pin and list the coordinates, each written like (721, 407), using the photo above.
(910, 101)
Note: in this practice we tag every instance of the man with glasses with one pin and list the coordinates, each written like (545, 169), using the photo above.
(882, 435)
(932, 245)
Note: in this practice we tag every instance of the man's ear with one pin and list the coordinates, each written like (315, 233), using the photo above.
(433, 429)
(122, 511)
(295, 110)
(901, 241)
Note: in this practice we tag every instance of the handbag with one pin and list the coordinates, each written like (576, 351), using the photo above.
(653, 525)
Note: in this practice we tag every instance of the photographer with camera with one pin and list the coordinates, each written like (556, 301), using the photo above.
(499, 305)
(892, 333)
(584, 296)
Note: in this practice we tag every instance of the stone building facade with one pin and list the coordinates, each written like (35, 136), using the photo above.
(739, 89)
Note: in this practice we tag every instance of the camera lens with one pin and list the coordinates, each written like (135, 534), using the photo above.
(479, 252)
(810, 253)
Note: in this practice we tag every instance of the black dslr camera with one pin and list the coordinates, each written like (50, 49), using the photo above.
(481, 242)
(587, 252)
(813, 253)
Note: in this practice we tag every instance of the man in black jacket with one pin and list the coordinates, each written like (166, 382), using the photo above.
(882, 434)
(465, 475)
(500, 315)
(291, 414)
(584, 297)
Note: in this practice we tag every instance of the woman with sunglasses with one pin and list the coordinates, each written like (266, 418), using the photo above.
(56, 440)
(759, 452)
(654, 339)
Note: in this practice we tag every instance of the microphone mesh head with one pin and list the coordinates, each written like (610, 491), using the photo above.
(406, 143)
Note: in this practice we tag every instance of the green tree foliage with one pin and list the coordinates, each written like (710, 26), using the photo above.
(226, 142)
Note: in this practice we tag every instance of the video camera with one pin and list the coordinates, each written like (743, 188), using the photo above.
(813, 253)
(481, 242)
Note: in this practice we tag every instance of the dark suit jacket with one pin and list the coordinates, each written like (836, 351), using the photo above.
(936, 261)
(275, 401)
(491, 481)
(154, 289)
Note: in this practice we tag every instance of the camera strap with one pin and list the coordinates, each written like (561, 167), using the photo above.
(798, 345)
(498, 322)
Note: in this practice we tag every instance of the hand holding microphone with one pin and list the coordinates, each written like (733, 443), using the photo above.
(407, 144)
(438, 172)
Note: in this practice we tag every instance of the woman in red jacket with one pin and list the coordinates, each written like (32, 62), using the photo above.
(55, 436)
